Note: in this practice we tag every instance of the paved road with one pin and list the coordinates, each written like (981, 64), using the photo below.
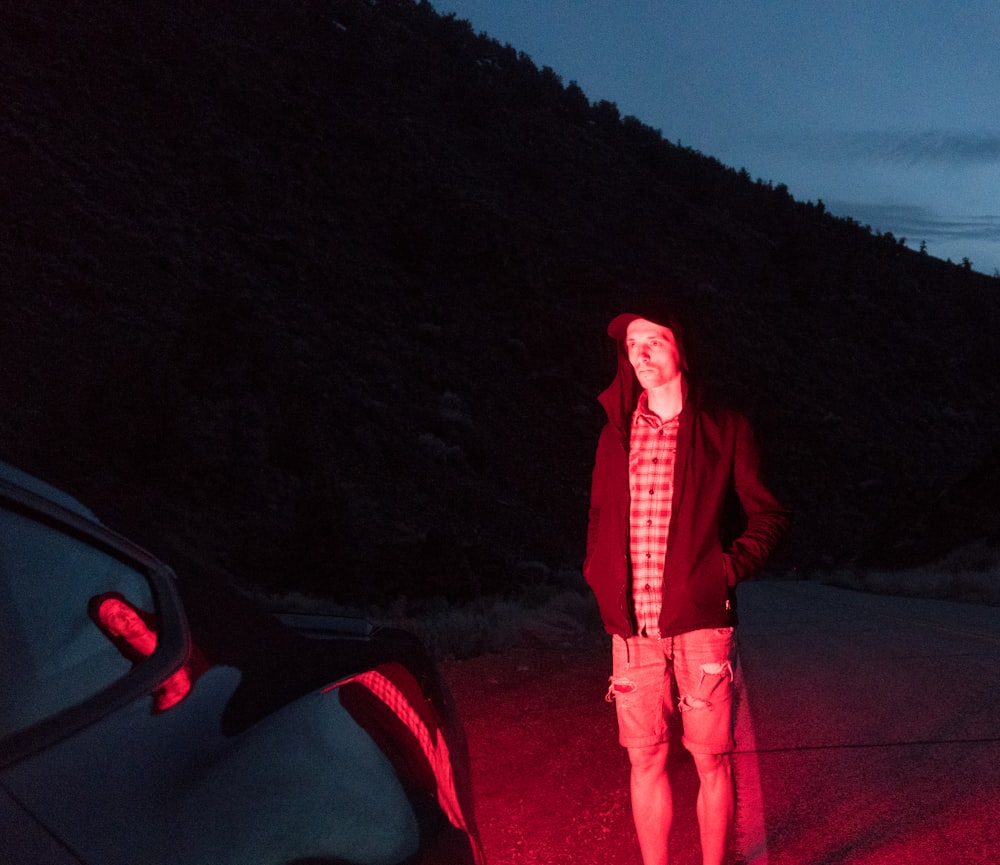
(869, 729)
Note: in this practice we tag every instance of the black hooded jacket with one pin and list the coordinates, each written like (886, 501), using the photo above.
(724, 524)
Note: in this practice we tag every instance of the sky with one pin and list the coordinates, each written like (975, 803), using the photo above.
(887, 110)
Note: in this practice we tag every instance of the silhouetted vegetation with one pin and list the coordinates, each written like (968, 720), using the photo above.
(313, 294)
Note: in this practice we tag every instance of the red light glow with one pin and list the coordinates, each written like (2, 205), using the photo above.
(119, 619)
(431, 741)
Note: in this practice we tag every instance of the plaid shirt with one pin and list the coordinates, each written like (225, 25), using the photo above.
(652, 452)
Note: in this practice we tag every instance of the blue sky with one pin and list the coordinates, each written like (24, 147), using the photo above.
(887, 110)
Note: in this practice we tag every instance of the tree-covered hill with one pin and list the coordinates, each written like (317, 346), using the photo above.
(312, 293)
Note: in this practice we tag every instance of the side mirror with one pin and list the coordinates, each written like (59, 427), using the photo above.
(68, 660)
(133, 632)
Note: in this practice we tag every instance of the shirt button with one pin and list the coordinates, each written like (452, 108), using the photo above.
(649, 522)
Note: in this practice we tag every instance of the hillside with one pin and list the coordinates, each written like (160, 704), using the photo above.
(313, 294)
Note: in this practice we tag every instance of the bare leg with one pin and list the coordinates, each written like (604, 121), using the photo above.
(716, 805)
(652, 802)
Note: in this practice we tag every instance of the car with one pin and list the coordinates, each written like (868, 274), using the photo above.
(150, 717)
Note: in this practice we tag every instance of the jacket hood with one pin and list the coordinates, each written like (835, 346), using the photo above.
(620, 398)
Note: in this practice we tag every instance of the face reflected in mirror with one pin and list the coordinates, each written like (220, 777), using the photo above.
(121, 620)
(134, 632)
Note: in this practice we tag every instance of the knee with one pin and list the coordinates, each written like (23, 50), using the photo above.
(649, 760)
(713, 767)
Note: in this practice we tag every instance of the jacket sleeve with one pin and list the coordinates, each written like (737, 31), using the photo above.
(597, 552)
(767, 520)
(593, 514)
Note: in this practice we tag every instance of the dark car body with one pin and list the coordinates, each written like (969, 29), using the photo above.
(148, 717)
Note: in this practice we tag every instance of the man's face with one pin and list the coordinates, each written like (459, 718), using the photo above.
(652, 351)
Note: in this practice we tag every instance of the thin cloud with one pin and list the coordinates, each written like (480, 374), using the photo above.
(947, 147)
(930, 172)
(920, 223)
(905, 148)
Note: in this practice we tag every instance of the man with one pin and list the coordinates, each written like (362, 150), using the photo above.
(679, 515)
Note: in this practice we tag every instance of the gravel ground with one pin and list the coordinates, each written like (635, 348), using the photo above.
(550, 780)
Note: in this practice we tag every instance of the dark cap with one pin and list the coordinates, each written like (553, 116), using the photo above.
(619, 324)
(654, 311)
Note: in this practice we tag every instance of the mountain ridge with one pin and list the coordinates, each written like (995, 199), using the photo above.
(313, 294)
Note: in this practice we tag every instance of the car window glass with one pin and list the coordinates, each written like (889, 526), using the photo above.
(53, 654)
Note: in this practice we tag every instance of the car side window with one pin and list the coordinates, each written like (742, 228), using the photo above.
(52, 654)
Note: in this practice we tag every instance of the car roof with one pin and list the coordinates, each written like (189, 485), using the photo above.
(25, 481)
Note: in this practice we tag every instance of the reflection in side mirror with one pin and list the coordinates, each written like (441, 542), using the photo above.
(133, 632)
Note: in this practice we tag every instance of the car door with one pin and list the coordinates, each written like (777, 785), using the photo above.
(120, 742)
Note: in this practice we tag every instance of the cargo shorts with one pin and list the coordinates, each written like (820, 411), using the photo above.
(653, 678)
